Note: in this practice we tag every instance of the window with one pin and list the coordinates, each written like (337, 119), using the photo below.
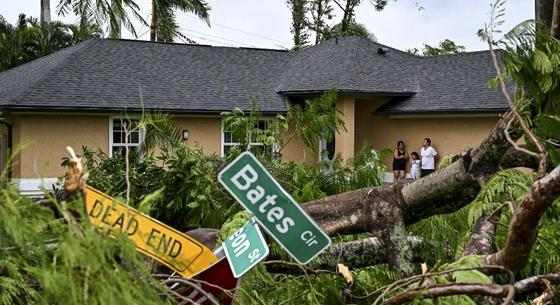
(118, 128)
(229, 140)
(326, 150)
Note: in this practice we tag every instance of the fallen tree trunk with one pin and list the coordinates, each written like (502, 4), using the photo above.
(388, 209)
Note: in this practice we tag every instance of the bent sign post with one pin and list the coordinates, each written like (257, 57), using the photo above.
(245, 248)
(275, 210)
(172, 248)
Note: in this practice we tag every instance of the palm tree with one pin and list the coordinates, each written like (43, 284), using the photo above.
(164, 26)
(28, 39)
(45, 11)
(101, 13)
(16, 42)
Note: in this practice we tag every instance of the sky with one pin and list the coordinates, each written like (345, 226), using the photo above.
(404, 24)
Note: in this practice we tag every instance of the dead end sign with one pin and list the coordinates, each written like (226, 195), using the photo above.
(275, 210)
(174, 249)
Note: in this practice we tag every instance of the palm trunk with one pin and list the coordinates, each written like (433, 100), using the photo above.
(555, 23)
(45, 11)
(153, 25)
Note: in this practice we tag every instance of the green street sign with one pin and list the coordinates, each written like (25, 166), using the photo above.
(245, 248)
(275, 210)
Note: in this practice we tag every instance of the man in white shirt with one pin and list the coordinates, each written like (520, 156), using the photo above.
(428, 154)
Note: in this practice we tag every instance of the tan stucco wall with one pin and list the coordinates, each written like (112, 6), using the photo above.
(204, 132)
(345, 139)
(296, 151)
(449, 135)
(49, 134)
(46, 136)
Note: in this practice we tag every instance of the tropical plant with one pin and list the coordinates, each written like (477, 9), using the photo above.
(104, 14)
(49, 255)
(315, 119)
(27, 40)
(164, 26)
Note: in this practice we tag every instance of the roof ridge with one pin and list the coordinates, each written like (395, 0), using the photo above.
(461, 53)
(83, 45)
(194, 45)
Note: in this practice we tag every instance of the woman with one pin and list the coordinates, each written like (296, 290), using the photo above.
(399, 161)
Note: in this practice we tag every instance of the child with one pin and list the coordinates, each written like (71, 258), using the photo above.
(415, 166)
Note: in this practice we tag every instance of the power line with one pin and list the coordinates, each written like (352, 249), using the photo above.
(218, 37)
(242, 31)
(207, 39)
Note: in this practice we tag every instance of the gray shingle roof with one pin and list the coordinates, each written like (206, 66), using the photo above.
(107, 75)
(452, 83)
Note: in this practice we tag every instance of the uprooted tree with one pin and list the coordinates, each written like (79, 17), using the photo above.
(531, 59)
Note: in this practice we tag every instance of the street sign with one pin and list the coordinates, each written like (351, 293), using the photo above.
(275, 210)
(214, 281)
(172, 248)
(245, 248)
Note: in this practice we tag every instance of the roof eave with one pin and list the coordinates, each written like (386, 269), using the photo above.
(440, 112)
(51, 109)
(346, 92)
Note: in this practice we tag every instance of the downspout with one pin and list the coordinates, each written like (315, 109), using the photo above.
(9, 128)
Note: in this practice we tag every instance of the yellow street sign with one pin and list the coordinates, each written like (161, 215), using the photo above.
(172, 248)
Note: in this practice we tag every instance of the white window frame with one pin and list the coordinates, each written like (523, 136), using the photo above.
(223, 144)
(141, 134)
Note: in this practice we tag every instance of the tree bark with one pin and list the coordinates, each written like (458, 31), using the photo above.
(482, 235)
(555, 23)
(543, 12)
(45, 11)
(153, 23)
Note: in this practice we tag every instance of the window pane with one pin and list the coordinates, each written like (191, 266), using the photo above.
(226, 149)
(262, 125)
(117, 124)
(228, 137)
(117, 137)
(134, 138)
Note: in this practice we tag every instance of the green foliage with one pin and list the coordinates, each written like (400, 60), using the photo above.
(548, 131)
(298, 9)
(104, 14)
(317, 119)
(49, 260)
(188, 192)
(446, 46)
(248, 128)
(506, 185)
(164, 19)
(445, 161)
(532, 60)
(27, 39)
(353, 29)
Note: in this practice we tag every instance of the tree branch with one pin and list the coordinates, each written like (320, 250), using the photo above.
(524, 226)
(482, 235)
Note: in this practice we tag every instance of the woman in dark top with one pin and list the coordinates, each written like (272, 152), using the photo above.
(399, 161)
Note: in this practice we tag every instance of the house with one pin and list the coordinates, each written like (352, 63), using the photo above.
(77, 96)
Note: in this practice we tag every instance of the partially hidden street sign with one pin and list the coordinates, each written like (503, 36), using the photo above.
(277, 212)
(172, 248)
(245, 248)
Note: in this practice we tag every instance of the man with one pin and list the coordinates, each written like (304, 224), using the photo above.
(428, 154)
